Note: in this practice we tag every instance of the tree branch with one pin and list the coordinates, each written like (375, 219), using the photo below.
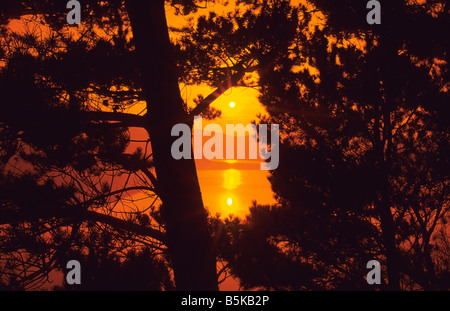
(127, 119)
(125, 225)
(82, 215)
(221, 88)
(152, 178)
(110, 194)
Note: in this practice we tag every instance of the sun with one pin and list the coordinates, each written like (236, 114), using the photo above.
(229, 201)
(232, 104)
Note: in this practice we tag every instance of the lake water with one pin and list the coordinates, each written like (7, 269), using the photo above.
(231, 191)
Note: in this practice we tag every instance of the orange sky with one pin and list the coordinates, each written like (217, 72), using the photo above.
(239, 180)
(228, 186)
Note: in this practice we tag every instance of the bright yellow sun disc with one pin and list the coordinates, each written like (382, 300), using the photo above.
(229, 201)
(232, 104)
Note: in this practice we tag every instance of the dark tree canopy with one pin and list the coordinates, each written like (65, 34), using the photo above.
(364, 156)
(363, 168)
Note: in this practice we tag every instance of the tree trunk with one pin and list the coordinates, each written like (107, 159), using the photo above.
(188, 239)
(388, 236)
(385, 153)
(383, 202)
